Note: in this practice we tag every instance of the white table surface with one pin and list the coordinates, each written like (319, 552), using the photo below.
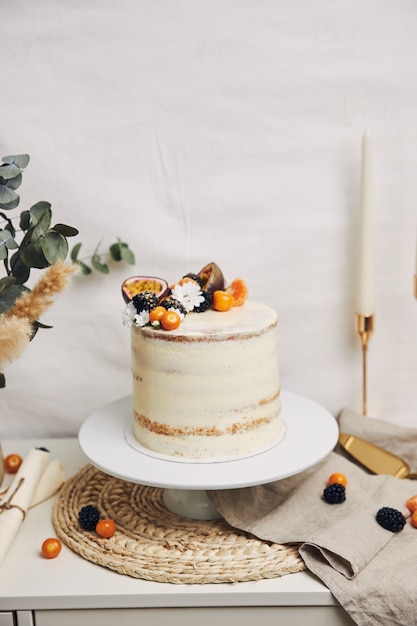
(30, 582)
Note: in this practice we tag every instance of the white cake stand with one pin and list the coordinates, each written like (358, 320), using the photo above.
(310, 433)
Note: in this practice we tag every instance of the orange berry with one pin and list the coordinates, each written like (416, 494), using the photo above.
(412, 503)
(222, 301)
(106, 528)
(170, 320)
(414, 519)
(156, 314)
(51, 547)
(239, 290)
(12, 462)
(337, 477)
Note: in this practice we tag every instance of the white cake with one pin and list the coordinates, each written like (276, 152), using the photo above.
(211, 388)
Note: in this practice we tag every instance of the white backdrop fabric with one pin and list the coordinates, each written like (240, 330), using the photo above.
(205, 130)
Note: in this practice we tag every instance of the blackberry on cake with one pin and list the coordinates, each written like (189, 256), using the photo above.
(171, 303)
(145, 301)
(206, 304)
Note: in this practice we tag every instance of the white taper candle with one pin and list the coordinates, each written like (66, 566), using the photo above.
(365, 296)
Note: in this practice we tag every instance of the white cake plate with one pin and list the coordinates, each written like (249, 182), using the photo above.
(311, 432)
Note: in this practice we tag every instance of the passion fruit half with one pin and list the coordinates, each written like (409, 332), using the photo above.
(136, 284)
(212, 278)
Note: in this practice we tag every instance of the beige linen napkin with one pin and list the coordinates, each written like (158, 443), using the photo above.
(37, 479)
(51, 480)
(371, 571)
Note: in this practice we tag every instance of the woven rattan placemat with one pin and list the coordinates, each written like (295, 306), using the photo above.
(155, 544)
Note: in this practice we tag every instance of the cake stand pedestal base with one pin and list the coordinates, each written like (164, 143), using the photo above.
(190, 503)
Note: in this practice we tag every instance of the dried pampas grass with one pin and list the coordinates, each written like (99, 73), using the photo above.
(16, 323)
(33, 303)
(15, 333)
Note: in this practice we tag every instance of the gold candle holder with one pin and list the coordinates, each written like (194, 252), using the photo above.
(364, 326)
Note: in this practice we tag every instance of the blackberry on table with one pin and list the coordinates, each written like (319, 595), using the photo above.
(88, 517)
(334, 493)
(390, 519)
(145, 301)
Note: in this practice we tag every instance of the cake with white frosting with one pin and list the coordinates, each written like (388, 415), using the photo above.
(210, 388)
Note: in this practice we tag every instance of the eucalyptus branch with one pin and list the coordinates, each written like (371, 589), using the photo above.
(35, 242)
(117, 251)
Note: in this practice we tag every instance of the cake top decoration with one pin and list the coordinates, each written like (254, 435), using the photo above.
(150, 301)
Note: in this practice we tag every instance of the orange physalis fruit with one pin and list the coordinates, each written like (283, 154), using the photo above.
(412, 504)
(414, 519)
(170, 320)
(106, 528)
(51, 547)
(337, 477)
(156, 314)
(12, 462)
(239, 290)
(222, 301)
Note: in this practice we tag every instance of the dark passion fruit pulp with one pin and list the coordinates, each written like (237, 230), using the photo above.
(136, 284)
(212, 278)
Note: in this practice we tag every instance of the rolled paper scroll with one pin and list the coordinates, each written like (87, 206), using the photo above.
(15, 502)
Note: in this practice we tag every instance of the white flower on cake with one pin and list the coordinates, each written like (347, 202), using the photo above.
(188, 294)
(130, 316)
(142, 318)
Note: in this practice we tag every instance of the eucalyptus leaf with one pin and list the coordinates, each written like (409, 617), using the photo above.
(41, 226)
(7, 239)
(10, 205)
(11, 244)
(32, 255)
(38, 210)
(75, 251)
(54, 246)
(4, 236)
(103, 268)
(9, 170)
(127, 255)
(6, 195)
(67, 231)
(25, 220)
(6, 282)
(6, 243)
(119, 251)
(9, 295)
(20, 270)
(116, 251)
(14, 183)
(21, 160)
(85, 269)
